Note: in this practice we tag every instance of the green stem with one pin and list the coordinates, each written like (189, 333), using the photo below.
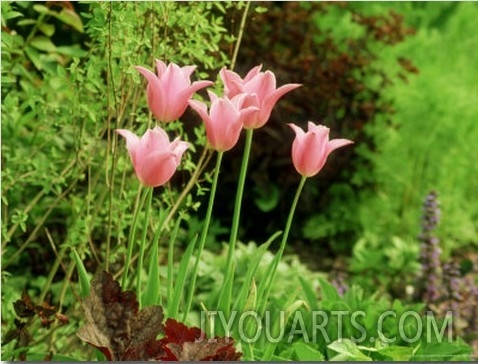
(142, 244)
(291, 215)
(240, 35)
(153, 289)
(204, 232)
(172, 239)
(235, 219)
(278, 257)
(132, 237)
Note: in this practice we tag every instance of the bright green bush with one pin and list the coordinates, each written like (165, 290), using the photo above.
(430, 141)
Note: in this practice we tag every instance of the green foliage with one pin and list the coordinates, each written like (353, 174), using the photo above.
(70, 202)
(371, 328)
(337, 222)
(67, 82)
(334, 51)
(426, 144)
(400, 257)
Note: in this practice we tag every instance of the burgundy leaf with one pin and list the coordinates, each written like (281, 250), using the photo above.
(182, 343)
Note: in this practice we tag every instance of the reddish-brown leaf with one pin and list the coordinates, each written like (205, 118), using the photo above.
(191, 344)
(116, 326)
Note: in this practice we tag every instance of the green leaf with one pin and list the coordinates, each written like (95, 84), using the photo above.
(41, 9)
(152, 292)
(83, 276)
(72, 51)
(445, 351)
(306, 352)
(251, 271)
(225, 296)
(251, 302)
(170, 275)
(24, 22)
(397, 353)
(260, 9)
(47, 29)
(43, 44)
(291, 309)
(312, 299)
(329, 292)
(69, 17)
(34, 56)
(173, 306)
(347, 350)
(12, 15)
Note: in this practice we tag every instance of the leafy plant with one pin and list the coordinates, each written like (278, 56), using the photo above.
(433, 113)
(121, 331)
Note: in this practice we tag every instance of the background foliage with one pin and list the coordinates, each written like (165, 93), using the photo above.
(398, 78)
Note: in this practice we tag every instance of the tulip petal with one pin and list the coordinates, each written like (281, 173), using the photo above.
(132, 142)
(178, 105)
(154, 158)
(159, 139)
(252, 73)
(337, 143)
(270, 100)
(178, 147)
(168, 92)
(157, 101)
(310, 149)
(160, 68)
(157, 168)
(174, 82)
(200, 108)
(232, 82)
(188, 71)
(224, 125)
(212, 96)
(313, 152)
(262, 84)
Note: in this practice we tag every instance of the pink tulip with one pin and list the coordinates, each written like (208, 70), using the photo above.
(154, 158)
(225, 119)
(168, 93)
(310, 149)
(260, 84)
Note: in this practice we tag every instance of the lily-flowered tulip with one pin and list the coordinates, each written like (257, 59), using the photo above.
(154, 157)
(169, 91)
(225, 119)
(260, 84)
(310, 149)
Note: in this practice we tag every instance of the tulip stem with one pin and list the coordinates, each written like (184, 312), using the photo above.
(142, 245)
(275, 263)
(291, 215)
(132, 237)
(204, 232)
(235, 223)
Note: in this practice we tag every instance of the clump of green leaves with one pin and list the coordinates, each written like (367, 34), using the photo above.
(433, 114)
(67, 82)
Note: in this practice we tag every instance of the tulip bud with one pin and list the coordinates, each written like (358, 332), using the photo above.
(154, 157)
(168, 92)
(260, 84)
(225, 119)
(310, 149)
